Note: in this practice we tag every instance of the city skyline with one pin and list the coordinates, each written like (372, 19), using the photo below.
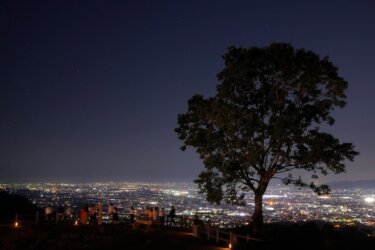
(344, 206)
(91, 91)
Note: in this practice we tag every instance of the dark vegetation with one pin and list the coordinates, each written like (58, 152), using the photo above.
(311, 235)
(63, 236)
(266, 120)
(12, 204)
(277, 236)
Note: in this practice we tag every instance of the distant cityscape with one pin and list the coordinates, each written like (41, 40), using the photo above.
(281, 203)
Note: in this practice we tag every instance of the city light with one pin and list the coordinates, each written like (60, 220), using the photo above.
(343, 206)
(369, 199)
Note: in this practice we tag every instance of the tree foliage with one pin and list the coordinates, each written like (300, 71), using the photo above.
(12, 204)
(265, 121)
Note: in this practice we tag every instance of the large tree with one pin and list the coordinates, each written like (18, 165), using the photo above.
(265, 121)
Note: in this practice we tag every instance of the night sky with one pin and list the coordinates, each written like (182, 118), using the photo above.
(90, 90)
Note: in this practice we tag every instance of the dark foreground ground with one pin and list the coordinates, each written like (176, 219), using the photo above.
(97, 237)
(307, 236)
(312, 235)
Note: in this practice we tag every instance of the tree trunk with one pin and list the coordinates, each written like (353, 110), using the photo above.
(258, 213)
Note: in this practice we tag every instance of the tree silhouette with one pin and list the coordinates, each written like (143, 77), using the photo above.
(12, 204)
(264, 122)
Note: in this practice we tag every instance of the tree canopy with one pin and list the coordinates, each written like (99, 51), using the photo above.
(265, 121)
(12, 204)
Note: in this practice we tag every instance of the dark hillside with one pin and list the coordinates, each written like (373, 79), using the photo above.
(312, 235)
(12, 204)
(54, 237)
(277, 236)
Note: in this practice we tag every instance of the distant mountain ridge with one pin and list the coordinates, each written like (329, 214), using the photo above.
(353, 184)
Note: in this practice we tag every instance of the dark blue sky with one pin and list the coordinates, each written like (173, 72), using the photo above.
(90, 90)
